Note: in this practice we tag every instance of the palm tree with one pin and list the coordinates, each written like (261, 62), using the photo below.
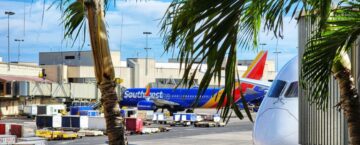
(75, 15)
(213, 30)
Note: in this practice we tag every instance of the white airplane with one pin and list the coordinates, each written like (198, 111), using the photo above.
(277, 119)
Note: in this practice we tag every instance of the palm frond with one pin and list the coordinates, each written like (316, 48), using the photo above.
(74, 20)
(211, 31)
(340, 33)
(276, 10)
(74, 17)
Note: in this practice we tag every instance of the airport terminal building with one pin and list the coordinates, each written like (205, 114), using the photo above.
(77, 67)
(62, 77)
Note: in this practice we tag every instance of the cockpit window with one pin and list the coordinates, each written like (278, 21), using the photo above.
(276, 88)
(292, 91)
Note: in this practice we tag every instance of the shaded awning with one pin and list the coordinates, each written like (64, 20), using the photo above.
(9, 78)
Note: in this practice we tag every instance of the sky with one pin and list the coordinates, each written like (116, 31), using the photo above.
(131, 18)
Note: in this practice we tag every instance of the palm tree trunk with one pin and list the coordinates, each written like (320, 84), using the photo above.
(349, 97)
(104, 71)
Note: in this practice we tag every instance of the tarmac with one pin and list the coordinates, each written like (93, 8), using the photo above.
(236, 132)
(228, 138)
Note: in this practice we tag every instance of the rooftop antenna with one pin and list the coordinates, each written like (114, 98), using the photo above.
(277, 55)
(262, 45)
(121, 31)
(24, 16)
(19, 40)
(146, 49)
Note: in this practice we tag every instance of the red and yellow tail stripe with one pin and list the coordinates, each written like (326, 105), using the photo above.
(256, 68)
(147, 92)
(254, 71)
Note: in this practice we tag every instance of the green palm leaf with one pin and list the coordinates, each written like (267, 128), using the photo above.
(340, 33)
(213, 30)
(209, 31)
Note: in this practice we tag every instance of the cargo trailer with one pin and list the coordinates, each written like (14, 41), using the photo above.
(75, 110)
(50, 109)
(145, 115)
(97, 123)
(75, 121)
(30, 110)
(48, 121)
(89, 113)
(134, 125)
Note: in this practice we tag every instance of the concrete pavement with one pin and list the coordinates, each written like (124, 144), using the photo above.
(228, 138)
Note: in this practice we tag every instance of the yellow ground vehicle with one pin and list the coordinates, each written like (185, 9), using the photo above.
(54, 135)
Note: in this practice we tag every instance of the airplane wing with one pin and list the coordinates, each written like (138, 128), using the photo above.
(259, 83)
(161, 102)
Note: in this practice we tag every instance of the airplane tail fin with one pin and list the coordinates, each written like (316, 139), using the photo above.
(147, 92)
(256, 69)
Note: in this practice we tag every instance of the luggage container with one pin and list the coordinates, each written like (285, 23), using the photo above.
(3, 129)
(134, 124)
(97, 123)
(51, 109)
(89, 113)
(176, 117)
(30, 110)
(131, 113)
(41, 110)
(145, 114)
(75, 110)
(75, 121)
(216, 118)
(159, 117)
(188, 117)
(16, 129)
(19, 130)
(48, 121)
(7, 139)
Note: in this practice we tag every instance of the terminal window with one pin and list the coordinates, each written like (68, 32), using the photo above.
(70, 57)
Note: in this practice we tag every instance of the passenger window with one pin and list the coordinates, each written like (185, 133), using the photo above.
(277, 88)
(292, 91)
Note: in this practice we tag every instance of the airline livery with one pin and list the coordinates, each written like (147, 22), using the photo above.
(180, 99)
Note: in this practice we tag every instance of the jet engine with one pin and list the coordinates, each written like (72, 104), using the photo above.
(146, 105)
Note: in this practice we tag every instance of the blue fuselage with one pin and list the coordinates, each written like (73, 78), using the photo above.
(184, 97)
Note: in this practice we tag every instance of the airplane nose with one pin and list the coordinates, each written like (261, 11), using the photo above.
(276, 127)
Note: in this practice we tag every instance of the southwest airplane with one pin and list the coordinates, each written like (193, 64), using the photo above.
(180, 99)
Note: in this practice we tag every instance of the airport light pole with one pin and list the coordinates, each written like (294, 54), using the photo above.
(146, 49)
(262, 45)
(9, 13)
(19, 40)
(276, 52)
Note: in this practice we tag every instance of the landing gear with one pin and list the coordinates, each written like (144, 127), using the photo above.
(189, 110)
(172, 112)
